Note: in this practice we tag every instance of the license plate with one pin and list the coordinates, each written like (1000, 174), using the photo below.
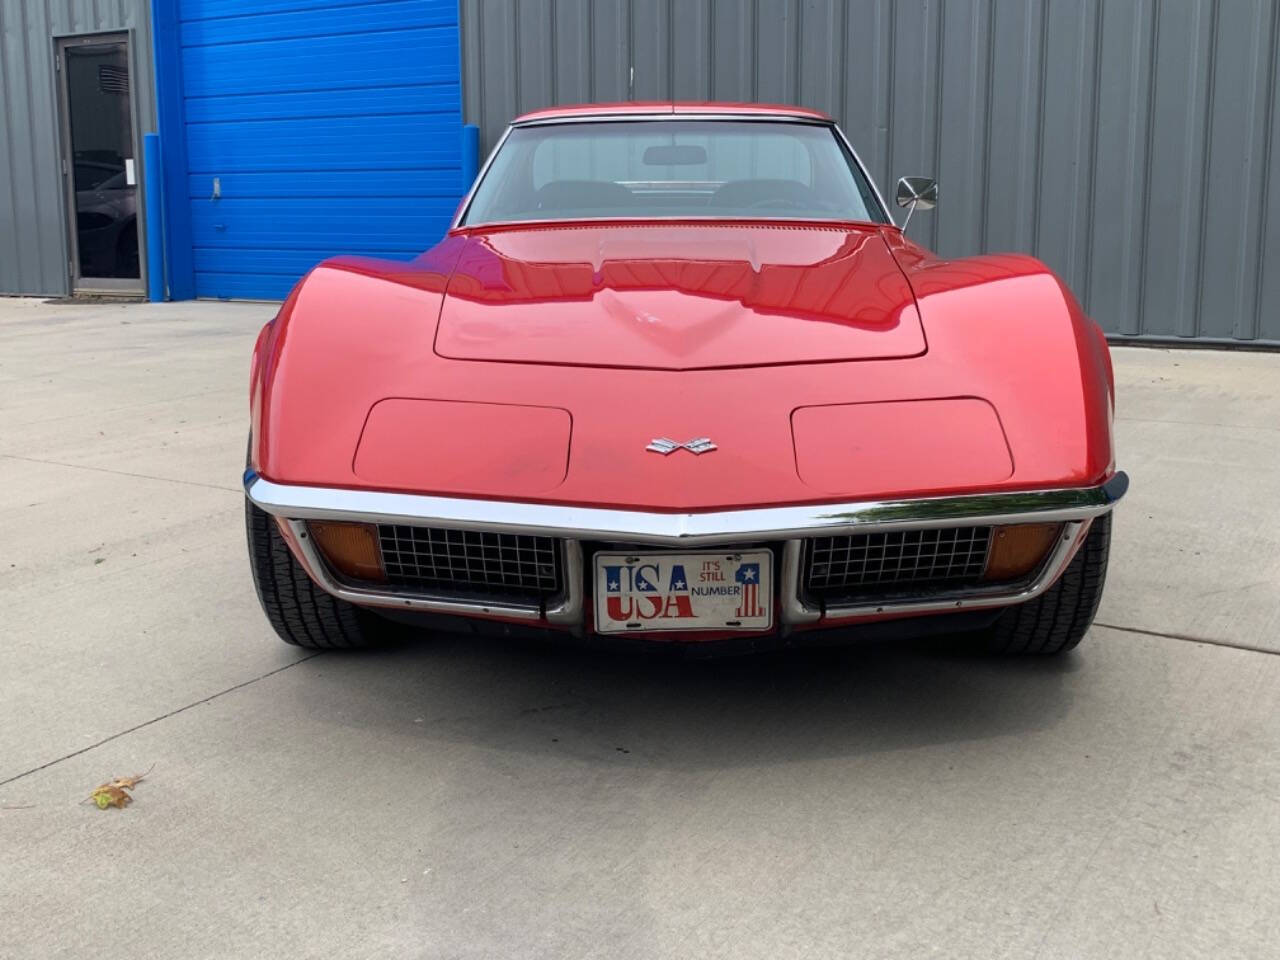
(683, 591)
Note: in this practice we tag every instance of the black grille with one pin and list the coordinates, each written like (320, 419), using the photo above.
(894, 563)
(468, 563)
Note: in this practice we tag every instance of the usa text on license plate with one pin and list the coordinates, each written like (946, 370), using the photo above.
(683, 591)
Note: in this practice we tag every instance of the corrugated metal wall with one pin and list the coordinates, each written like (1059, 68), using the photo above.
(33, 240)
(1131, 144)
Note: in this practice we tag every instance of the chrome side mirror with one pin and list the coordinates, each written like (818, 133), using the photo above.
(916, 192)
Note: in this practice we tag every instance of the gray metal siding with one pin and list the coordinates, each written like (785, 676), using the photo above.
(33, 241)
(1131, 144)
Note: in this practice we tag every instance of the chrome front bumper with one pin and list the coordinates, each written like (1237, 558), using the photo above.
(1073, 507)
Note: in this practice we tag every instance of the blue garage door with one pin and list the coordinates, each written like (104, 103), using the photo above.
(316, 128)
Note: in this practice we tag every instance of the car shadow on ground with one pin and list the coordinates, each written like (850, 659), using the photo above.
(681, 714)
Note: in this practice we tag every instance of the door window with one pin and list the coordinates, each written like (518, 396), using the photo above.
(103, 171)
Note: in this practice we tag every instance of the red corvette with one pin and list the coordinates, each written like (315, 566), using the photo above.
(675, 373)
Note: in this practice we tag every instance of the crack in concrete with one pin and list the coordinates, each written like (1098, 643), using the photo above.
(1197, 423)
(118, 473)
(163, 716)
(239, 686)
(1188, 638)
(140, 405)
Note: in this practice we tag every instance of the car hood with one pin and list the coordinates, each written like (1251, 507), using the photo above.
(348, 392)
(677, 296)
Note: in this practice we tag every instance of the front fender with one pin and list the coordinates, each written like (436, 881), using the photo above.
(348, 326)
(1010, 316)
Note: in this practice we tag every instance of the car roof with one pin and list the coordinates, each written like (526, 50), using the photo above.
(659, 107)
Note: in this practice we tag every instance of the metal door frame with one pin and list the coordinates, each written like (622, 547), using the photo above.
(77, 284)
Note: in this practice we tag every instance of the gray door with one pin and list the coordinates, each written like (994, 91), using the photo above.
(100, 166)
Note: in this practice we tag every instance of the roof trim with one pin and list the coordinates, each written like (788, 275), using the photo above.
(668, 107)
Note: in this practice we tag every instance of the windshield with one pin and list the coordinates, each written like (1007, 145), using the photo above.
(750, 169)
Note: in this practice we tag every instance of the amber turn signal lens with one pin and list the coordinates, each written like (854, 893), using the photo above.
(350, 548)
(1017, 549)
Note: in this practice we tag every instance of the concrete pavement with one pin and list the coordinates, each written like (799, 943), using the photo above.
(463, 798)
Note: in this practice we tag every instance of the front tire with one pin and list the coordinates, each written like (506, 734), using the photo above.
(300, 612)
(1057, 620)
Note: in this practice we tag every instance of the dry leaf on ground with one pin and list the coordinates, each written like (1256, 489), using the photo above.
(109, 795)
(114, 793)
(128, 783)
